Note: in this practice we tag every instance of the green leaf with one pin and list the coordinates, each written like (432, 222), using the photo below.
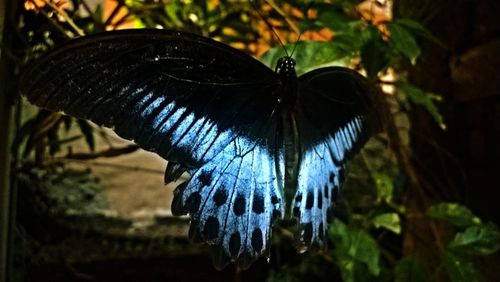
(53, 140)
(309, 55)
(98, 13)
(308, 24)
(335, 18)
(460, 268)
(171, 10)
(409, 269)
(375, 56)
(22, 134)
(453, 213)
(384, 185)
(424, 99)
(354, 247)
(403, 41)
(418, 29)
(87, 132)
(477, 240)
(389, 221)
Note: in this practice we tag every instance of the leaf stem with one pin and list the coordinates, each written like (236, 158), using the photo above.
(63, 14)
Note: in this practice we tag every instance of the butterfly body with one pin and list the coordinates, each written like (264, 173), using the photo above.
(259, 144)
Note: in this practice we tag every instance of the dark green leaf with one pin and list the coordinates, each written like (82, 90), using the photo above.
(44, 122)
(354, 246)
(389, 221)
(404, 42)
(22, 134)
(409, 269)
(67, 120)
(69, 139)
(424, 99)
(477, 240)
(335, 18)
(453, 213)
(418, 29)
(460, 268)
(375, 56)
(87, 132)
(53, 138)
(308, 24)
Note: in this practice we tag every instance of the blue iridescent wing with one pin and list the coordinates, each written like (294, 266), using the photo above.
(335, 117)
(235, 198)
(204, 106)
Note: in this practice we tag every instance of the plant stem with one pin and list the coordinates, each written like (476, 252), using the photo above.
(63, 14)
(7, 21)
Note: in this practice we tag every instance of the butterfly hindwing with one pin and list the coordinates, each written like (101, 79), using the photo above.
(233, 201)
(336, 115)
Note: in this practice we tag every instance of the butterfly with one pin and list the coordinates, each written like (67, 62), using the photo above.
(259, 145)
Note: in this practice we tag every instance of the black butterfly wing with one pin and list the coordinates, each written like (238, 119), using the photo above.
(199, 103)
(143, 83)
(336, 115)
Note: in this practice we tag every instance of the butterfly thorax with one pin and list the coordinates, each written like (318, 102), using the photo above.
(285, 68)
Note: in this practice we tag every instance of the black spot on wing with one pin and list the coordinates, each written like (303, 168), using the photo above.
(235, 244)
(211, 228)
(205, 178)
(275, 200)
(298, 198)
(239, 205)
(258, 203)
(193, 202)
(310, 200)
(320, 199)
(220, 197)
(257, 242)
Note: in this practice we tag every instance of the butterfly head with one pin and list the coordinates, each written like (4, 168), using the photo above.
(285, 66)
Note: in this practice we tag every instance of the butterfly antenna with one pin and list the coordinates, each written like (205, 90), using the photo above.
(295, 45)
(269, 26)
(309, 6)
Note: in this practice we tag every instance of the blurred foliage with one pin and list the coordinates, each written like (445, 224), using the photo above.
(373, 215)
(68, 192)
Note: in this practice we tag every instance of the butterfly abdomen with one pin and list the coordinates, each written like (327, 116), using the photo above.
(292, 158)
